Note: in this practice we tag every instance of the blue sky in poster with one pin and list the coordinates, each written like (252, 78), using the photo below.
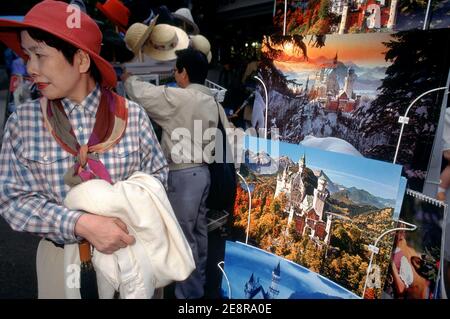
(378, 178)
(296, 282)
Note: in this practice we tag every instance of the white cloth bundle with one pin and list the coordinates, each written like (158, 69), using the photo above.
(161, 253)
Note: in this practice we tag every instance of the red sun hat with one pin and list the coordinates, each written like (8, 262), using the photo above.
(62, 21)
(116, 12)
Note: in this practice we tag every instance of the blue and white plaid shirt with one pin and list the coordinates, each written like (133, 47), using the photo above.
(32, 165)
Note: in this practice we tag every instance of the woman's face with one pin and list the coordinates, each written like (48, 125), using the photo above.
(54, 76)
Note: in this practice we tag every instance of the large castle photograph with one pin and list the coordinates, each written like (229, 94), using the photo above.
(354, 87)
(319, 209)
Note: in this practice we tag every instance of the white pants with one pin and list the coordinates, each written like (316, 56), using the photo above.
(50, 271)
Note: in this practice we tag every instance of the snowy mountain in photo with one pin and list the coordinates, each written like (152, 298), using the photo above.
(263, 164)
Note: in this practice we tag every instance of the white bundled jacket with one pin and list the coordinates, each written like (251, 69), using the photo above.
(161, 253)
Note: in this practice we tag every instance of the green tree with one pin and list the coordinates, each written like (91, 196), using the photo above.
(428, 52)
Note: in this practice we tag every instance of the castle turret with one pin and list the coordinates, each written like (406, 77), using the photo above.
(328, 229)
(282, 182)
(273, 289)
(320, 194)
(301, 164)
(349, 82)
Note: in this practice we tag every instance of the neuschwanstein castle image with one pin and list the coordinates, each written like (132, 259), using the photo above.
(306, 211)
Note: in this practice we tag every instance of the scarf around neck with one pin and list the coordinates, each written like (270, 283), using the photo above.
(110, 124)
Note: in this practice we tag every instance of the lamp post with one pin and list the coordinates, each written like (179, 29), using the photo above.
(266, 104)
(405, 119)
(249, 206)
(284, 21)
(374, 249)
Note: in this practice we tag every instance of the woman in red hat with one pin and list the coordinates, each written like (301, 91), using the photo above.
(78, 130)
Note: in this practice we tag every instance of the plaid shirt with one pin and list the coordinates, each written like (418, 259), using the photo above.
(32, 165)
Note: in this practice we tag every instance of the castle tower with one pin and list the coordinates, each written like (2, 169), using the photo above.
(332, 82)
(328, 229)
(374, 19)
(349, 82)
(320, 194)
(392, 14)
(282, 182)
(252, 287)
(273, 289)
(301, 164)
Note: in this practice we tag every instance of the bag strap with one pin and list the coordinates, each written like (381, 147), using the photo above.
(222, 130)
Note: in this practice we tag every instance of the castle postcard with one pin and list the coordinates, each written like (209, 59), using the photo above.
(417, 253)
(320, 17)
(253, 273)
(355, 87)
(322, 210)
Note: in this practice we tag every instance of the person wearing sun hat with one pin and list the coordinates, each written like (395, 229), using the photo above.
(79, 130)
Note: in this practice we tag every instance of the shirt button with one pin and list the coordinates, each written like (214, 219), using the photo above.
(45, 158)
(80, 129)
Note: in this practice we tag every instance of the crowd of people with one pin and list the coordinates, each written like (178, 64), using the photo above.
(79, 130)
(68, 126)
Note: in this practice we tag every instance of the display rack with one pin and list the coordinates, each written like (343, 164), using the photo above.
(216, 219)
(219, 91)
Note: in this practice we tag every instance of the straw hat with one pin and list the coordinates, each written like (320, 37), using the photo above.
(184, 14)
(51, 16)
(116, 12)
(137, 34)
(199, 42)
(164, 40)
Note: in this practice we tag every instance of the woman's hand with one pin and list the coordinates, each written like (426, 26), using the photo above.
(106, 234)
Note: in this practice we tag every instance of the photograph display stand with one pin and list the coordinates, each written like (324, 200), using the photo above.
(426, 244)
(374, 249)
(405, 119)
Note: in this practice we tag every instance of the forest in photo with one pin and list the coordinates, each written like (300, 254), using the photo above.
(320, 225)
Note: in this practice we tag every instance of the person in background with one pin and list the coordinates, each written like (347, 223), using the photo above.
(45, 152)
(185, 113)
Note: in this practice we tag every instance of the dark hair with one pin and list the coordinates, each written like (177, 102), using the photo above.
(195, 63)
(67, 49)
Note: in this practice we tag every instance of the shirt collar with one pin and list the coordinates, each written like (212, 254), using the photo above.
(200, 88)
(90, 102)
